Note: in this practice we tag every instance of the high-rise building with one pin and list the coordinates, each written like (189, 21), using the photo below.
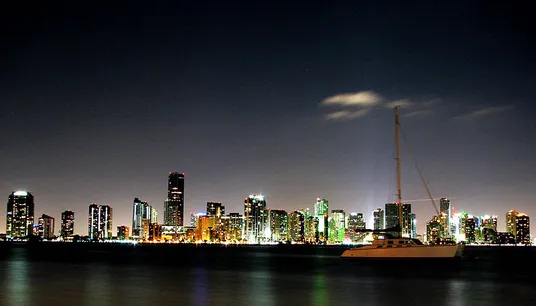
(277, 225)
(407, 226)
(434, 229)
(470, 226)
(522, 228)
(236, 227)
(378, 217)
(413, 226)
(445, 210)
(140, 210)
(123, 232)
(310, 229)
(174, 205)
(67, 224)
(215, 209)
(99, 222)
(296, 226)
(154, 215)
(255, 217)
(321, 213)
(391, 215)
(155, 232)
(20, 214)
(511, 221)
(337, 226)
(489, 222)
(46, 227)
(93, 222)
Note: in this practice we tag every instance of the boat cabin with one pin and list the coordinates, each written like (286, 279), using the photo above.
(396, 242)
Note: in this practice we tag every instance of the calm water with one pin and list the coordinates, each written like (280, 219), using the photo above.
(257, 277)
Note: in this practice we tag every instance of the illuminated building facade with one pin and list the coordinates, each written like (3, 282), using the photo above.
(100, 222)
(391, 218)
(470, 226)
(67, 224)
(140, 210)
(407, 225)
(236, 227)
(215, 209)
(522, 234)
(337, 226)
(255, 216)
(155, 232)
(445, 209)
(123, 232)
(378, 217)
(20, 214)
(144, 234)
(489, 222)
(321, 213)
(277, 225)
(310, 230)
(174, 204)
(413, 226)
(511, 221)
(46, 227)
(204, 228)
(391, 215)
(296, 224)
(194, 217)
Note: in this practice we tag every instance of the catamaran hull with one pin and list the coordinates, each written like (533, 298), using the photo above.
(414, 252)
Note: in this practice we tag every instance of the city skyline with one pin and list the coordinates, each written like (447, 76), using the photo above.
(291, 101)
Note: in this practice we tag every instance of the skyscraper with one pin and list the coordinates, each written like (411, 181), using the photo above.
(140, 210)
(406, 221)
(215, 209)
(391, 215)
(522, 228)
(413, 226)
(20, 214)
(277, 225)
(511, 221)
(100, 222)
(321, 213)
(93, 222)
(337, 226)
(445, 210)
(296, 226)
(174, 205)
(378, 217)
(46, 227)
(67, 224)
(255, 217)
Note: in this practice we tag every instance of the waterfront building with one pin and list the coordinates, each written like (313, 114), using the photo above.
(155, 232)
(174, 204)
(144, 234)
(434, 229)
(337, 226)
(470, 226)
(522, 229)
(378, 217)
(194, 217)
(67, 224)
(413, 226)
(277, 229)
(310, 230)
(46, 227)
(391, 215)
(154, 215)
(321, 214)
(445, 209)
(123, 232)
(140, 210)
(236, 226)
(489, 222)
(20, 214)
(296, 229)
(215, 209)
(407, 227)
(100, 222)
(511, 221)
(204, 228)
(255, 216)
(391, 218)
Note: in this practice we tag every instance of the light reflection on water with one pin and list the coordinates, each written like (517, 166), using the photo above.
(256, 280)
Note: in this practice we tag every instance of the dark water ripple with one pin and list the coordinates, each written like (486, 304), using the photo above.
(97, 275)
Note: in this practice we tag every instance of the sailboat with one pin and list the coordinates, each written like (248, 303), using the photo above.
(399, 247)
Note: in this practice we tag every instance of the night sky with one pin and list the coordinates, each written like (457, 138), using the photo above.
(100, 102)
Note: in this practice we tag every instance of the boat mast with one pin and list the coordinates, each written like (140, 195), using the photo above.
(398, 172)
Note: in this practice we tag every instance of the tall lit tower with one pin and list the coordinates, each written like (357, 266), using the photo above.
(140, 210)
(255, 216)
(93, 222)
(321, 213)
(46, 227)
(445, 209)
(20, 214)
(67, 224)
(174, 205)
(215, 209)
(378, 216)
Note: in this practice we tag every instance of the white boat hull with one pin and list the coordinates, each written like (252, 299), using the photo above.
(412, 252)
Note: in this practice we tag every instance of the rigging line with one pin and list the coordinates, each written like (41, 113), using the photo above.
(391, 175)
(419, 170)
